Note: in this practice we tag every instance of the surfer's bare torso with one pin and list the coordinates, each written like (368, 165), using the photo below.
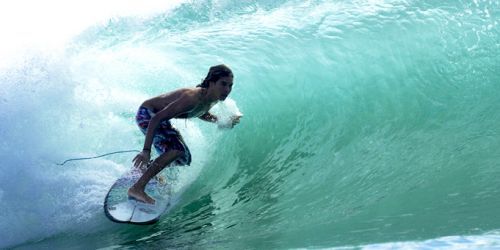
(189, 102)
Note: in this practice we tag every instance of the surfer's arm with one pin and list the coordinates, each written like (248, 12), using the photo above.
(209, 117)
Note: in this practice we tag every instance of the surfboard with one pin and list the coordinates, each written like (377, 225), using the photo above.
(119, 208)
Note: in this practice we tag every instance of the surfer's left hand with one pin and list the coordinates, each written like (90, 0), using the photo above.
(142, 159)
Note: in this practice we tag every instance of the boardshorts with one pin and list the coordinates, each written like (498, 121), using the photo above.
(165, 138)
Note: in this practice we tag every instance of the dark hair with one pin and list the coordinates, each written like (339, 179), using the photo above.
(214, 74)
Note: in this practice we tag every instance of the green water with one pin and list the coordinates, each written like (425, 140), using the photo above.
(364, 122)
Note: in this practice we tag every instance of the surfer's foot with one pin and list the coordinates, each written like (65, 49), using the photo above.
(140, 195)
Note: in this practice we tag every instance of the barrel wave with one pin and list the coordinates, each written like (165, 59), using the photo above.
(370, 123)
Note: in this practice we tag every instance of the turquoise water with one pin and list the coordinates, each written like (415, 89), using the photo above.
(370, 124)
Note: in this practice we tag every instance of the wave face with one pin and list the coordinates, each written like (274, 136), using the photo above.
(365, 122)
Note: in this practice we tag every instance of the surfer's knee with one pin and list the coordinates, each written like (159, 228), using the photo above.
(169, 157)
(175, 153)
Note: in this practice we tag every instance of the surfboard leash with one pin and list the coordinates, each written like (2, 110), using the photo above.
(99, 156)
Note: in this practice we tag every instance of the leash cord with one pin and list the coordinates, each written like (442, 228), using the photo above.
(99, 156)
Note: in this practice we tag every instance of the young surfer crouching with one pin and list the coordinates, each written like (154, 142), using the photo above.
(153, 118)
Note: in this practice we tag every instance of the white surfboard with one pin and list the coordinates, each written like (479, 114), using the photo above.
(119, 208)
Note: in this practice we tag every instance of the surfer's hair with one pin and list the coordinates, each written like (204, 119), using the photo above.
(214, 74)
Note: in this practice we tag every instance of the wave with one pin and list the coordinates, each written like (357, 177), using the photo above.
(365, 122)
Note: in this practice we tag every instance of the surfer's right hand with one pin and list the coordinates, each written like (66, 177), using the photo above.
(141, 159)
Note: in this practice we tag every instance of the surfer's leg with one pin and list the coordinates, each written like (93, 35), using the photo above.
(137, 190)
(169, 144)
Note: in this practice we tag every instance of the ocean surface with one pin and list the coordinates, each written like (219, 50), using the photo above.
(370, 124)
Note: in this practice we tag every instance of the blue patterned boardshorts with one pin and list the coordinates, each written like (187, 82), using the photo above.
(165, 138)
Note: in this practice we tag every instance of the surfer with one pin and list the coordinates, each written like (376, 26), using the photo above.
(153, 118)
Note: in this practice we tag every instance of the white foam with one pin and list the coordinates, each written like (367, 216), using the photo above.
(53, 110)
(487, 241)
(225, 111)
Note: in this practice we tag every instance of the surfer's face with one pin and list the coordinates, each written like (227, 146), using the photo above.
(223, 87)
